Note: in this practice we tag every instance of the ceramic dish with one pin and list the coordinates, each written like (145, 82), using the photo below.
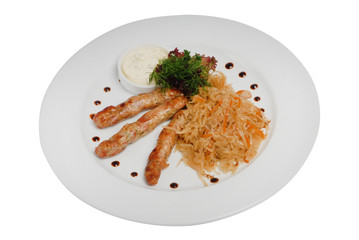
(129, 85)
(89, 81)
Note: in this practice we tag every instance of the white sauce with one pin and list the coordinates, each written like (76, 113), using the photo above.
(139, 63)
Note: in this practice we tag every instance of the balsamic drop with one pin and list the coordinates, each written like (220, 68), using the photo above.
(214, 180)
(95, 139)
(242, 74)
(254, 86)
(115, 163)
(229, 65)
(174, 185)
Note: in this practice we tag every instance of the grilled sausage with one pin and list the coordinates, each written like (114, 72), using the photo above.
(134, 105)
(133, 131)
(165, 143)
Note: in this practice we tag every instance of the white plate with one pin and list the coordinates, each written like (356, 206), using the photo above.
(66, 130)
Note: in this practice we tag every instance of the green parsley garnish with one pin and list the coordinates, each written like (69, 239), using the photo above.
(183, 71)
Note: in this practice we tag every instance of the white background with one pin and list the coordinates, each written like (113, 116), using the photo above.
(37, 37)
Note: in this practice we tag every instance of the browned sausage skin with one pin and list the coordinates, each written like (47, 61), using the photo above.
(165, 143)
(133, 131)
(132, 106)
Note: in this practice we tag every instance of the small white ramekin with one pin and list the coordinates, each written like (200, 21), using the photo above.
(128, 84)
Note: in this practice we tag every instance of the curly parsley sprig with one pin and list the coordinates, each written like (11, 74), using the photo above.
(183, 71)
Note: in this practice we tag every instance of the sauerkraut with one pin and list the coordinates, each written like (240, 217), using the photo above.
(223, 129)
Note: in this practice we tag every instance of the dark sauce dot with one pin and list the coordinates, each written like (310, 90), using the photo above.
(115, 163)
(107, 89)
(95, 139)
(174, 185)
(92, 116)
(242, 74)
(214, 180)
(262, 109)
(257, 99)
(229, 65)
(254, 86)
(134, 174)
(119, 80)
(97, 102)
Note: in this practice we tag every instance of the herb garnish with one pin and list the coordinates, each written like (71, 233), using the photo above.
(183, 71)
